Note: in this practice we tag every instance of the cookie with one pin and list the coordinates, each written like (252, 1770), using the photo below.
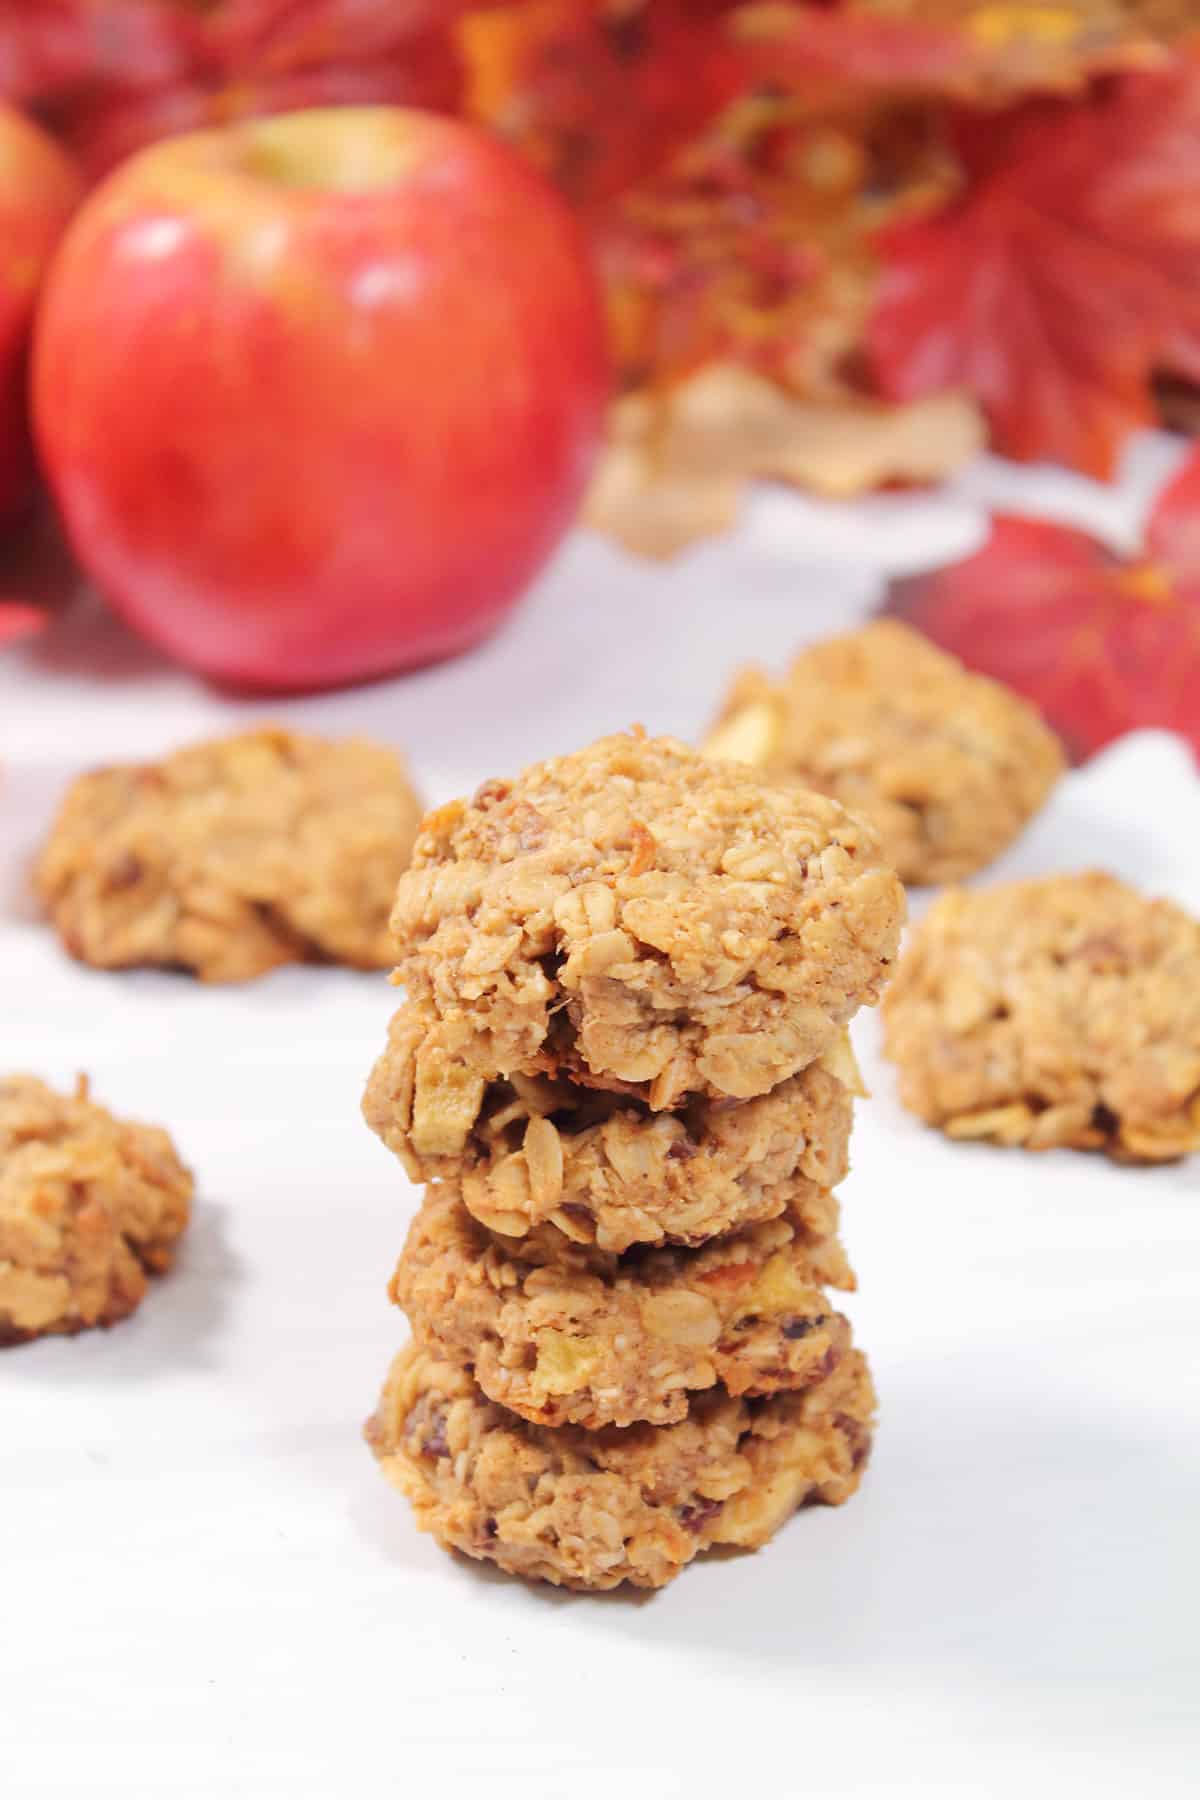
(89, 1207)
(601, 1165)
(562, 1334)
(638, 918)
(1057, 1012)
(591, 1509)
(948, 766)
(232, 857)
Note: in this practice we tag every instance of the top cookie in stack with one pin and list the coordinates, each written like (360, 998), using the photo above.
(641, 920)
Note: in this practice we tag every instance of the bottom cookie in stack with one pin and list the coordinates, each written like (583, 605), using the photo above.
(590, 1509)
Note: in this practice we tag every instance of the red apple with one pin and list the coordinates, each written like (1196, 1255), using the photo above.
(319, 394)
(39, 190)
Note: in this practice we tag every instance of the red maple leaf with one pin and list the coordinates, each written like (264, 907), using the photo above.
(424, 71)
(1065, 274)
(1103, 644)
(970, 48)
(53, 49)
(110, 77)
(601, 96)
(283, 36)
(795, 45)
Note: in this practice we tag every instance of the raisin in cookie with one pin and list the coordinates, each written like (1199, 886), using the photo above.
(591, 1509)
(572, 1336)
(233, 856)
(947, 765)
(1057, 1012)
(601, 1165)
(638, 918)
(89, 1205)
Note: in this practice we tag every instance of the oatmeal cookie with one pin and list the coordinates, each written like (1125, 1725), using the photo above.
(636, 917)
(1057, 1012)
(590, 1509)
(563, 1334)
(947, 765)
(601, 1165)
(89, 1205)
(233, 856)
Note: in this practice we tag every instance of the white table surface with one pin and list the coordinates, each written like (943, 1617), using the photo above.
(206, 1588)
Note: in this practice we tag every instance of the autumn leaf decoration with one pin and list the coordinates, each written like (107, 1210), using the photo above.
(986, 50)
(1062, 279)
(986, 207)
(112, 75)
(1102, 643)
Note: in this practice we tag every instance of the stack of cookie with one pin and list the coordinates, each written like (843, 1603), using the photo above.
(623, 1070)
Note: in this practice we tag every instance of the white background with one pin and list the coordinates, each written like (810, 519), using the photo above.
(207, 1590)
